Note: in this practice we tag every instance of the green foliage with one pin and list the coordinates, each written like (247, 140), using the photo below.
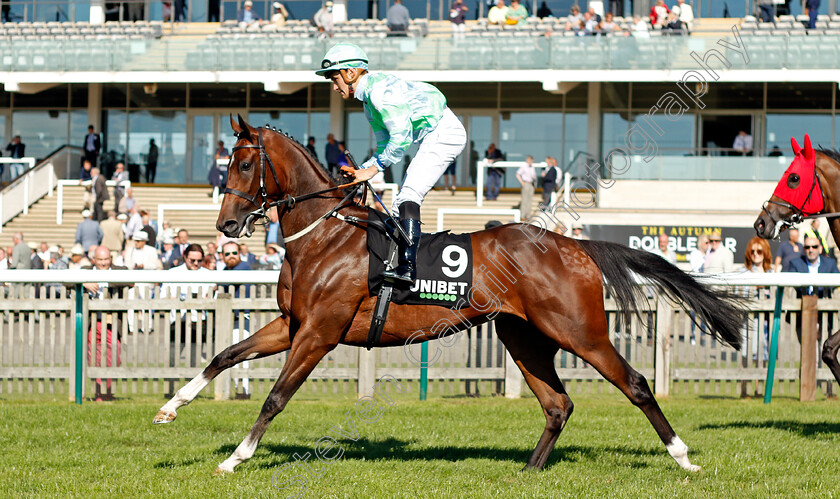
(445, 447)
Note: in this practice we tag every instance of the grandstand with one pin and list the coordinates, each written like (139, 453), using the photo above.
(534, 89)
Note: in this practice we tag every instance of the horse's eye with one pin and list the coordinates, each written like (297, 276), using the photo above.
(244, 166)
(793, 181)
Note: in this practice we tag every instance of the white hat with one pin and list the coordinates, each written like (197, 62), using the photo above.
(249, 3)
(85, 213)
(577, 226)
(77, 249)
(32, 245)
(168, 240)
(141, 235)
(277, 5)
(122, 216)
(53, 249)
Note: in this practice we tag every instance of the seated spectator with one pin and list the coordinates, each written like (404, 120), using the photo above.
(209, 262)
(595, 14)
(573, 19)
(77, 257)
(589, 25)
(497, 14)
(608, 25)
(166, 253)
(457, 17)
(398, 19)
(812, 263)
(659, 14)
(280, 15)
(273, 258)
(323, 19)
(120, 175)
(88, 232)
(674, 26)
(246, 16)
(544, 11)
(516, 14)
(686, 13)
(640, 28)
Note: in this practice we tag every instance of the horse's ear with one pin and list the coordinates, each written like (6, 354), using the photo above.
(809, 149)
(240, 128)
(795, 146)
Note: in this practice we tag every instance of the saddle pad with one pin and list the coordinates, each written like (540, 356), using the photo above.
(444, 268)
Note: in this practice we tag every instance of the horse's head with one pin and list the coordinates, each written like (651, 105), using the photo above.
(798, 194)
(254, 179)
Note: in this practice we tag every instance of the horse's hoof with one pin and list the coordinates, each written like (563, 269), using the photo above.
(164, 417)
(693, 468)
(221, 472)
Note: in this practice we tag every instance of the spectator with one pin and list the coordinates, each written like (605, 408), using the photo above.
(659, 14)
(152, 160)
(134, 224)
(142, 256)
(743, 144)
(112, 233)
(498, 14)
(310, 146)
(573, 19)
(813, 7)
(608, 25)
(273, 258)
(86, 172)
(77, 257)
(812, 263)
(278, 19)
(43, 252)
(331, 154)
(719, 258)
(527, 175)
(589, 26)
(398, 19)
(4, 262)
(814, 231)
(685, 13)
(640, 28)
(323, 19)
(35, 261)
(577, 232)
(20, 254)
(212, 249)
(149, 226)
(92, 146)
(209, 262)
(247, 17)
(88, 231)
(549, 179)
(674, 26)
(449, 176)
(516, 14)
(99, 193)
(544, 11)
(697, 257)
(182, 242)
(272, 230)
(757, 259)
(789, 250)
(595, 14)
(17, 149)
(166, 253)
(664, 251)
(494, 175)
(342, 155)
(128, 202)
(100, 291)
(457, 17)
(246, 256)
(120, 176)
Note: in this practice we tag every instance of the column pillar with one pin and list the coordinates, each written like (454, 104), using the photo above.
(337, 116)
(339, 11)
(95, 106)
(593, 111)
(97, 11)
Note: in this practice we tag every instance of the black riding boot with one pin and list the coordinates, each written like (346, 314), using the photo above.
(407, 259)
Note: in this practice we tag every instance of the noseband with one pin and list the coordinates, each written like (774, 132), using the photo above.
(798, 215)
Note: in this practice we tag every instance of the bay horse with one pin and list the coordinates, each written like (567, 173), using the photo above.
(548, 295)
(809, 188)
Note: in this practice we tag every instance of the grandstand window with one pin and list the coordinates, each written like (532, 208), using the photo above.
(164, 95)
(575, 139)
(800, 95)
(56, 97)
(734, 95)
(79, 122)
(5, 99)
(217, 95)
(577, 98)
(614, 127)
(679, 135)
(79, 95)
(319, 96)
(169, 129)
(259, 98)
(528, 95)
(115, 95)
(115, 132)
(615, 95)
(471, 96)
(781, 127)
(536, 134)
(43, 131)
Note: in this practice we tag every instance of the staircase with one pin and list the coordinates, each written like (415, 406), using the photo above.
(39, 225)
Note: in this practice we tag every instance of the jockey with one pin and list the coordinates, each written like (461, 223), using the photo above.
(400, 112)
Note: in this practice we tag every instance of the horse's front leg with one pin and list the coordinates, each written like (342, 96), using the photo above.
(829, 354)
(307, 351)
(270, 339)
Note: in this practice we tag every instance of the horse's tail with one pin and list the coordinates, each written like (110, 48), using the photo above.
(719, 309)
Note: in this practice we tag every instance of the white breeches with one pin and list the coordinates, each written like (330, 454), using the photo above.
(437, 151)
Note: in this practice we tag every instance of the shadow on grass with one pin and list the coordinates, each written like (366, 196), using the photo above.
(807, 430)
(169, 463)
(399, 450)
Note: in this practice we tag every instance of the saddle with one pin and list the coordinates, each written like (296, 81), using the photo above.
(444, 271)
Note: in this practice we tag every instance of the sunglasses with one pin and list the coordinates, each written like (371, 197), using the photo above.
(757, 252)
(195, 260)
(233, 253)
(813, 247)
(714, 240)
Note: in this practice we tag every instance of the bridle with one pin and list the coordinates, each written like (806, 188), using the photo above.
(261, 213)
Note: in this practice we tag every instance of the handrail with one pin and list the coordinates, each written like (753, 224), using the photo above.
(482, 164)
(59, 206)
(23, 192)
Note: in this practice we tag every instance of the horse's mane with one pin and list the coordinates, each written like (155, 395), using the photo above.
(831, 153)
(304, 149)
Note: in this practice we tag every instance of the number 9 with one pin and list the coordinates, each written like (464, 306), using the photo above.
(456, 266)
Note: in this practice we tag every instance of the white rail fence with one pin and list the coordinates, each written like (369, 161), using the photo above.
(47, 342)
(27, 188)
(481, 176)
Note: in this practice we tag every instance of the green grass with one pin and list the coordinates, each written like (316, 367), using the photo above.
(453, 447)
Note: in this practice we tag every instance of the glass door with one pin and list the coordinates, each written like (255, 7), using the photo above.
(482, 129)
(207, 128)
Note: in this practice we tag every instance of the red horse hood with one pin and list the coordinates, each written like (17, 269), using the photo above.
(805, 193)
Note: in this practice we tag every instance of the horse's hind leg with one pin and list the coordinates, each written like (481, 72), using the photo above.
(307, 351)
(829, 354)
(594, 347)
(270, 339)
(534, 354)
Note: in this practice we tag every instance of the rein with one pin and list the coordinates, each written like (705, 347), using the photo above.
(289, 201)
(798, 216)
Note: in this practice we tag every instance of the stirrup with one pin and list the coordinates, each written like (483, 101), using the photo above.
(393, 275)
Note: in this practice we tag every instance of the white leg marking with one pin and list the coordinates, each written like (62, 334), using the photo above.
(186, 394)
(679, 451)
(242, 453)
